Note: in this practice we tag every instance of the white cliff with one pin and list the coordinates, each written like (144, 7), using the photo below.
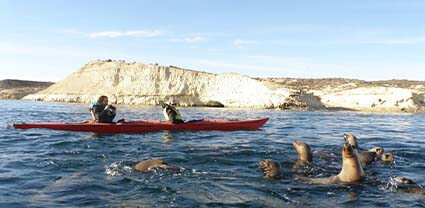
(148, 84)
(378, 99)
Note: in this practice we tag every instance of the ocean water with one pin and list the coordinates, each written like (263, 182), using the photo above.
(44, 168)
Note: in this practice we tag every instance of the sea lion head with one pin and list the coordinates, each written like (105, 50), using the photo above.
(388, 157)
(150, 165)
(271, 169)
(303, 151)
(407, 185)
(378, 150)
(403, 180)
(351, 139)
(348, 151)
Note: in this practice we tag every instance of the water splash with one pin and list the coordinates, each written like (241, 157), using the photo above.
(119, 168)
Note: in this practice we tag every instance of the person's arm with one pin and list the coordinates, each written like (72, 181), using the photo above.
(92, 109)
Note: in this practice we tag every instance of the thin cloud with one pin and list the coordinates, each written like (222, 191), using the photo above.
(248, 68)
(130, 33)
(399, 41)
(240, 43)
(276, 66)
(194, 39)
(31, 50)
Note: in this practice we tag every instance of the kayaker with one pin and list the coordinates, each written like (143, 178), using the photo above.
(101, 112)
(171, 113)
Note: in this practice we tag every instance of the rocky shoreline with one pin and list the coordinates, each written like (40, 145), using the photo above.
(147, 84)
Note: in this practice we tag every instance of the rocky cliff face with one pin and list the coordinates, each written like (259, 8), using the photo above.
(147, 84)
(383, 99)
(17, 89)
(357, 95)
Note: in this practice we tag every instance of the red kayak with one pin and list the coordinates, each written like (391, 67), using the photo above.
(150, 125)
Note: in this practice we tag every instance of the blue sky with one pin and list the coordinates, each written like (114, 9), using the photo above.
(371, 40)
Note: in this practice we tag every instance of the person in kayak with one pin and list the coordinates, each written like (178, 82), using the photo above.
(171, 113)
(101, 112)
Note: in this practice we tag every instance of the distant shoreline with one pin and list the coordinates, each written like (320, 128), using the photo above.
(17, 89)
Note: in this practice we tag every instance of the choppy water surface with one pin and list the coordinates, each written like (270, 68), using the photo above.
(43, 168)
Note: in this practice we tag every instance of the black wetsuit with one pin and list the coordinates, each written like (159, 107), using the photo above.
(101, 114)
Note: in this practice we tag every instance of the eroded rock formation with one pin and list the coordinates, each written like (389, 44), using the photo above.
(147, 84)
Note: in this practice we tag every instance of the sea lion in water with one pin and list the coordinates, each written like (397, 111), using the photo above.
(387, 157)
(407, 185)
(305, 157)
(379, 151)
(150, 165)
(364, 157)
(367, 157)
(403, 180)
(351, 171)
(371, 155)
(271, 169)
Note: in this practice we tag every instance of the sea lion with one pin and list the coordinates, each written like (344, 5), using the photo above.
(364, 157)
(407, 185)
(305, 157)
(351, 171)
(150, 165)
(403, 180)
(387, 157)
(271, 169)
(379, 151)
(367, 158)
(61, 184)
(351, 139)
(371, 155)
